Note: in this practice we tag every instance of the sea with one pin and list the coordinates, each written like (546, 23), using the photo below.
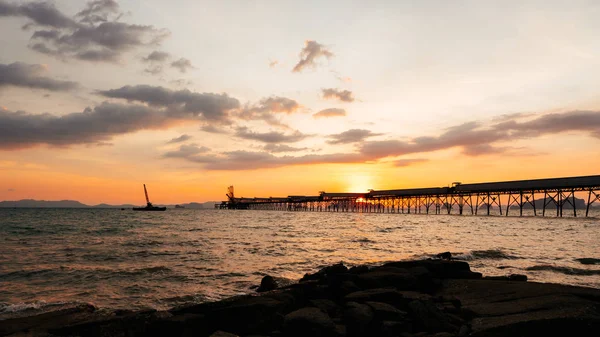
(121, 259)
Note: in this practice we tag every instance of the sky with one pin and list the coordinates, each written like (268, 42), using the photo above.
(285, 98)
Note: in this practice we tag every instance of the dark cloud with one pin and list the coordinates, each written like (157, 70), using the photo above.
(409, 162)
(212, 129)
(477, 139)
(98, 11)
(309, 55)
(41, 13)
(157, 56)
(351, 136)
(180, 139)
(342, 95)
(210, 106)
(155, 61)
(96, 36)
(92, 126)
(331, 112)
(182, 64)
(267, 109)
(29, 76)
(269, 137)
(278, 148)
(186, 151)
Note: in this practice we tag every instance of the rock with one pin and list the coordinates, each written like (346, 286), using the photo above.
(267, 283)
(428, 317)
(440, 268)
(395, 328)
(384, 295)
(444, 256)
(386, 312)
(358, 269)
(180, 325)
(328, 306)
(464, 330)
(517, 277)
(358, 318)
(223, 334)
(321, 275)
(308, 322)
(388, 277)
(247, 315)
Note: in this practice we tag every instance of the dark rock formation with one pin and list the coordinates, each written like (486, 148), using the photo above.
(438, 297)
(267, 283)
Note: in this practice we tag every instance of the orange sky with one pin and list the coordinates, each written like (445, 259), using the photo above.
(392, 97)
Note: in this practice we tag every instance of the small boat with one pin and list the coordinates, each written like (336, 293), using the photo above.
(149, 206)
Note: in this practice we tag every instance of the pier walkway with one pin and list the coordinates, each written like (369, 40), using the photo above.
(555, 194)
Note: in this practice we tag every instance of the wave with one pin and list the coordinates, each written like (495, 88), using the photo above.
(588, 260)
(18, 307)
(489, 254)
(564, 270)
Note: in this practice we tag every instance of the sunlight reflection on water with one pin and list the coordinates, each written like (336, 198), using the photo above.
(125, 259)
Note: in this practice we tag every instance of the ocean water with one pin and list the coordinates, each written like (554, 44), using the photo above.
(125, 259)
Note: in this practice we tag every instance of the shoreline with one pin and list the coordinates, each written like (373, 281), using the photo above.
(440, 297)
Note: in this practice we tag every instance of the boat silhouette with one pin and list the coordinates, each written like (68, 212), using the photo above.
(149, 206)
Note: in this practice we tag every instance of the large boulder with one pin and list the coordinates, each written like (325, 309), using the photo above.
(358, 318)
(309, 321)
(384, 295)
(267, 283)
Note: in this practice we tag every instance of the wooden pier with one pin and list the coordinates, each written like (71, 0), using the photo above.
(555, 194)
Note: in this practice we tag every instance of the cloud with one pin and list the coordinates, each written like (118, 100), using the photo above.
(351, 136)
(93, 34)
(92, 126)
(180, 139)
(29, 76)
(342, 95)
(41, 13)
(331, 112)
(186, 151)
(267, 108)
(483, 150)
(212, 129)
(210, 106)
(269, 137)
(248, 160)
(155, 61)
(98, 11)
(182, 64)
(277, 148)
(409, 162)
(477, 139)
(311, 52)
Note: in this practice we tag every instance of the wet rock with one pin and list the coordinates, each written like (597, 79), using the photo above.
(248, 315)
(440, 268)
(180, 325)
(322, 274)
(267, 283)
(358, 318)
(395, 328)
(309, 322)
(444, 256)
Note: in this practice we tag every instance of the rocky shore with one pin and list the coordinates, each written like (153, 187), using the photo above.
(436, 297)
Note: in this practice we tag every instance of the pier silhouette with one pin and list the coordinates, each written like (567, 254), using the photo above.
(556, 194)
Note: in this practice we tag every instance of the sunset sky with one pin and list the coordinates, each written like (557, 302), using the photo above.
(292, 97)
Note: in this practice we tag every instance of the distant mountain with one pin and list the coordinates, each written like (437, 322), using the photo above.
(539, 204)
(30, 203)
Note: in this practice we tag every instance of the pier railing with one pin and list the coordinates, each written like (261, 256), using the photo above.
(556, 194)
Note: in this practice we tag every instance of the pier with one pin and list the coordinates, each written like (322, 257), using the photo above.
(490, 198)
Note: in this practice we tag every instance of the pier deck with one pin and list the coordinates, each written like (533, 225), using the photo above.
(554, 194)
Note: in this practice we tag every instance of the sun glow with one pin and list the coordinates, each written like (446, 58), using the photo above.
(359, 182)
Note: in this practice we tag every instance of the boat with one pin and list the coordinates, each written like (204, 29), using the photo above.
(149, 206)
